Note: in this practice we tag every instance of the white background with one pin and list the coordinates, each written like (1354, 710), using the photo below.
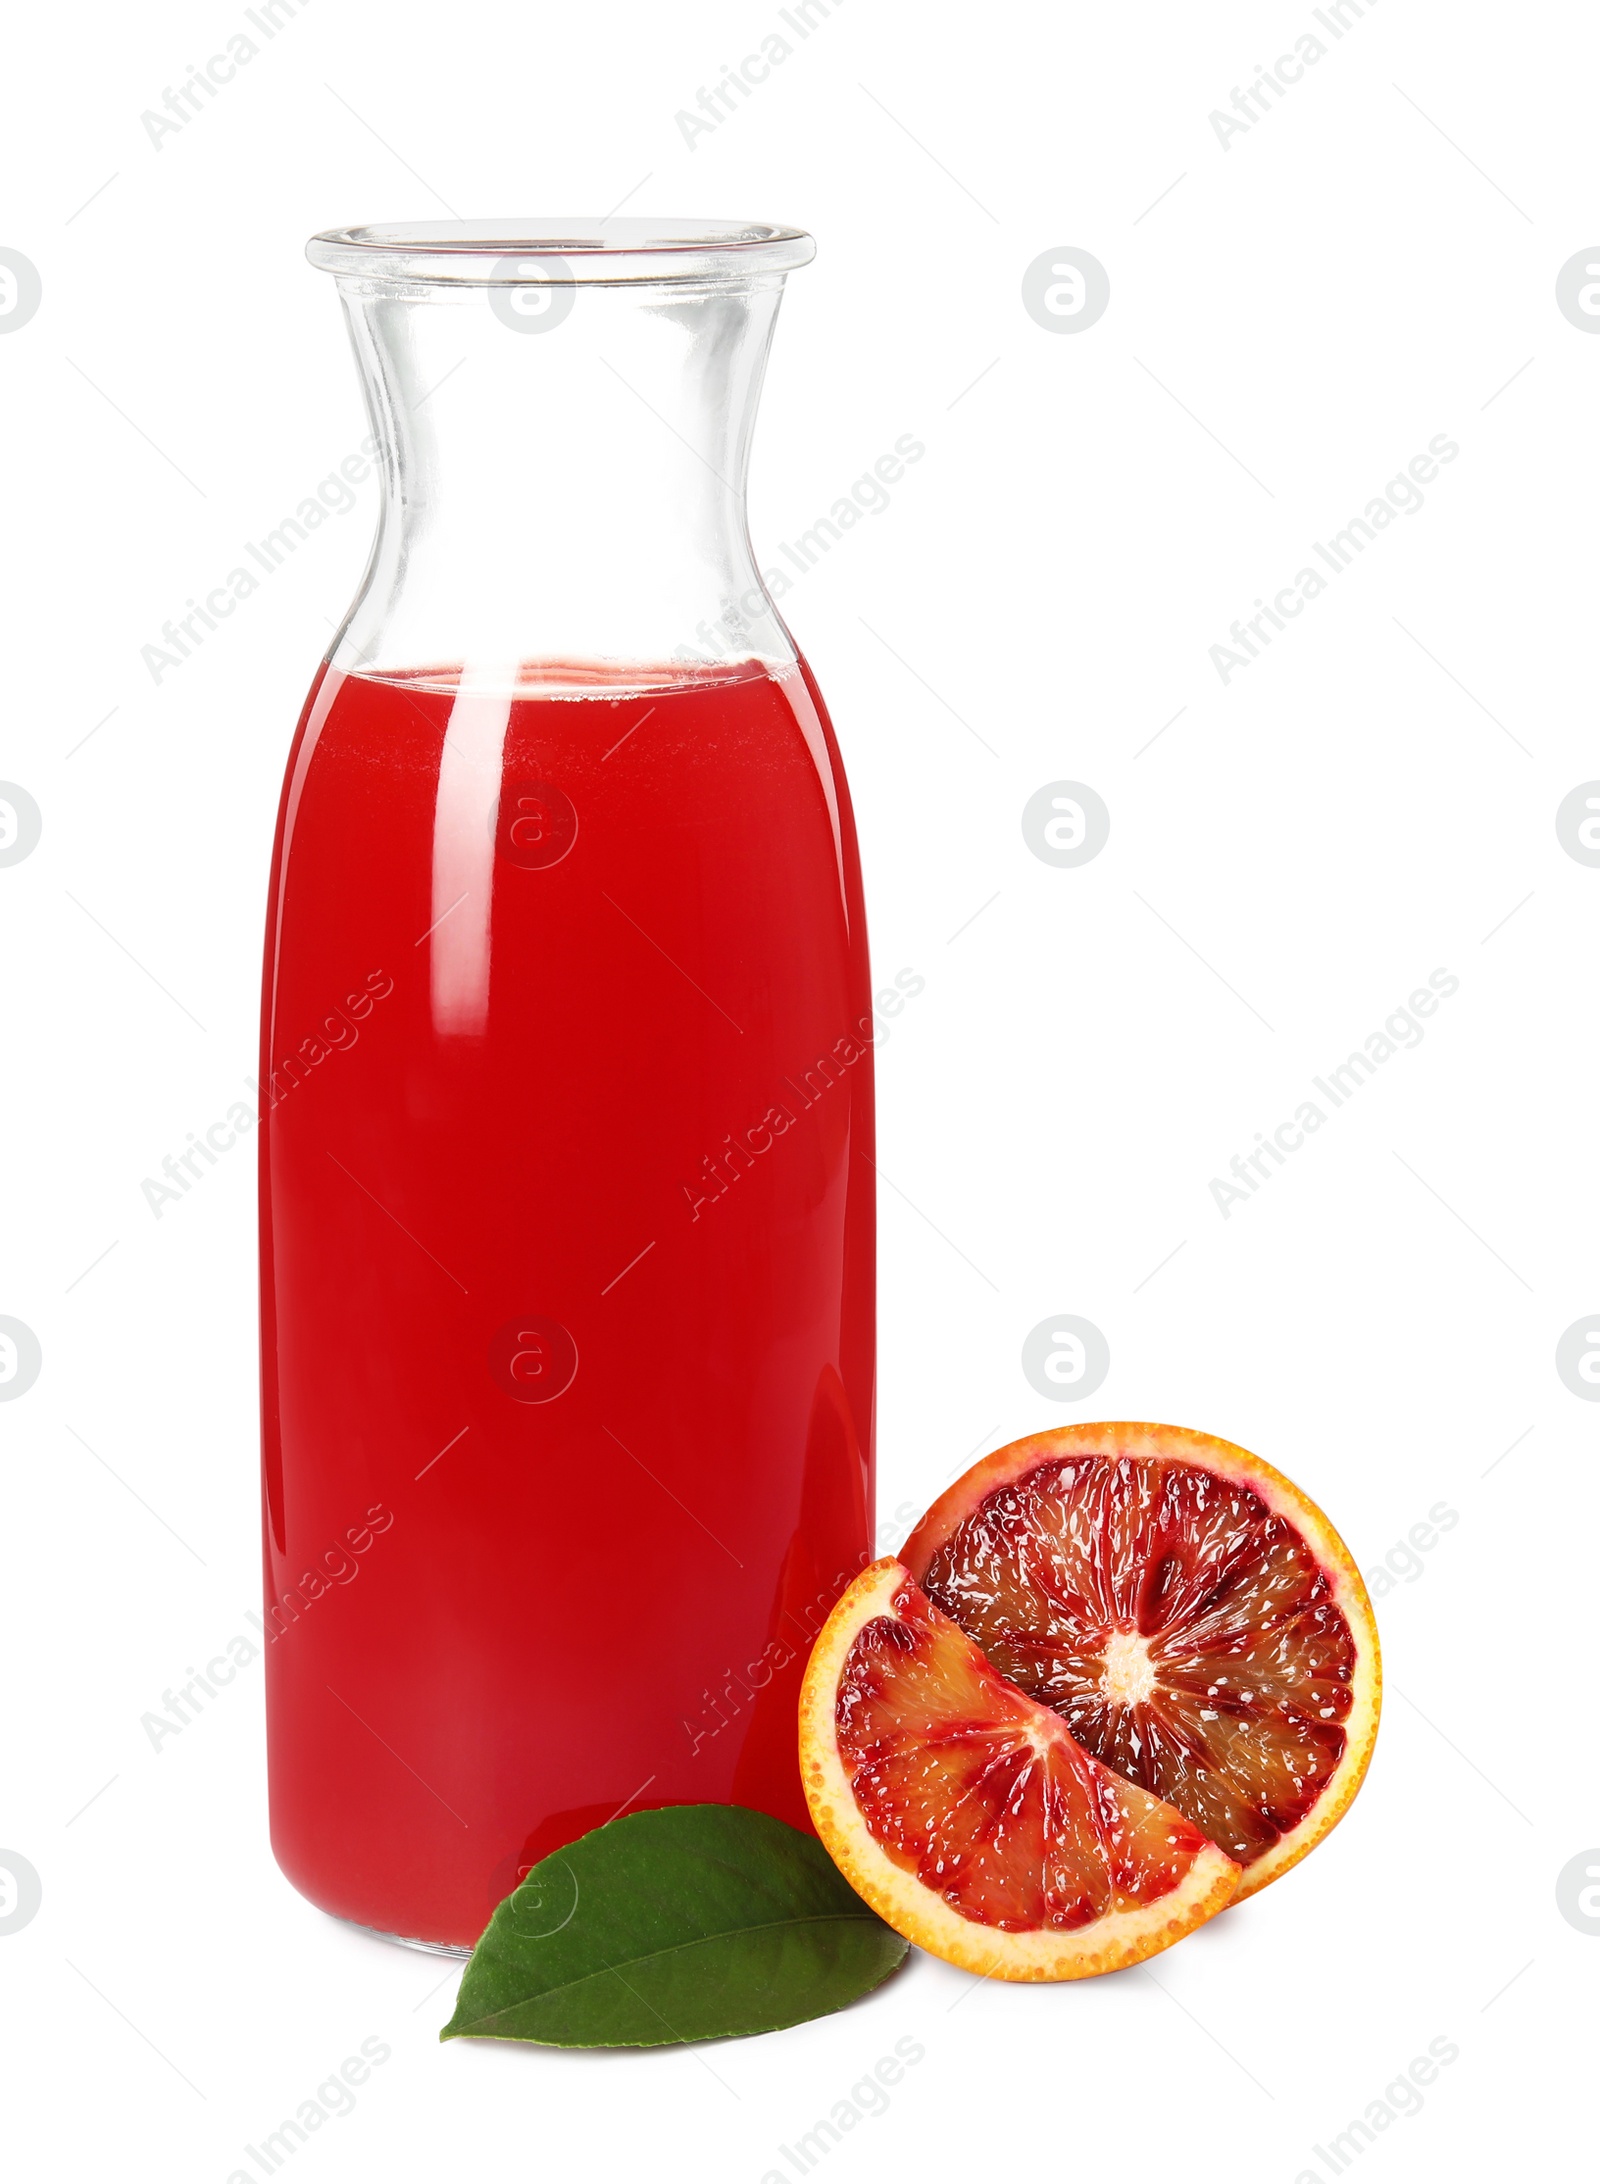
(1292, 318)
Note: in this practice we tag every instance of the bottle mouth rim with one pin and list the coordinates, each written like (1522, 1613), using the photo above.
(561, 253)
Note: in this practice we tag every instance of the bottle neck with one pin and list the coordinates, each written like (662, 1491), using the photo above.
(563, 480)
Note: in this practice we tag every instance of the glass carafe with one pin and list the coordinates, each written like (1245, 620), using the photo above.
(566, 1161)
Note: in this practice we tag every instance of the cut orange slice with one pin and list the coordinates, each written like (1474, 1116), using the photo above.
(968, 1817)
(1190, 1615)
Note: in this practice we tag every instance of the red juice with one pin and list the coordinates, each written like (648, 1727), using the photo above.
(567, 1265)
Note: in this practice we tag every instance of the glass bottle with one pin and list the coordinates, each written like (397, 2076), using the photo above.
(567, 1230)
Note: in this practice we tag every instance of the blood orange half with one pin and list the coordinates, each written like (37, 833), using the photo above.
(968, 1817)
(1189, 1614)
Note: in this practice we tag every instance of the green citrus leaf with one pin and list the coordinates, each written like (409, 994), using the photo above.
(690, 1923)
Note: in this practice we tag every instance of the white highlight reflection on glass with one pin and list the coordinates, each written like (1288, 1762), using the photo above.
(464, 816)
